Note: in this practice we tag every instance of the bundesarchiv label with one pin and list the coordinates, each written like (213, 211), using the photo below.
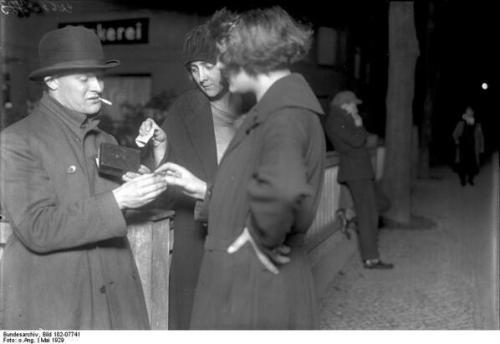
(33, 337)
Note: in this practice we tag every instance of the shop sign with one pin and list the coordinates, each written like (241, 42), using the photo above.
(122, 31)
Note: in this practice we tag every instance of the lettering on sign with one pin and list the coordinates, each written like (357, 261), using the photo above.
(123, 31)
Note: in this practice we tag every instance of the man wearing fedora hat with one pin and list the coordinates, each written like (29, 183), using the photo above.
(68, 264)
(344, 128)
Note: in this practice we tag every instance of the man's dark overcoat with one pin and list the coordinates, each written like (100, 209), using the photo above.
(349, 141)
(68, 264)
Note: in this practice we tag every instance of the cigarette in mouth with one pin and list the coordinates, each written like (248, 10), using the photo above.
(105, 101)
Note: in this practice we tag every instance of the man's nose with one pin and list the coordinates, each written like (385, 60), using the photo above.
(96, 84)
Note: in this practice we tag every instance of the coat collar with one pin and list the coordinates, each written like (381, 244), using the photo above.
(77, 122)
(291, 91)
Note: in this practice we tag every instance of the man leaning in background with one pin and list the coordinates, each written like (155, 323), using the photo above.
(344, 128)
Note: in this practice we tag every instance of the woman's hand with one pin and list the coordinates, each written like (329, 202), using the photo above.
(181, 177)
(149, 130)
(269, 258)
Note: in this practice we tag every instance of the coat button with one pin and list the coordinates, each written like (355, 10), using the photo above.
(71, 169)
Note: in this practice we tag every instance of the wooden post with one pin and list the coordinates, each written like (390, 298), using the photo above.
(149, 234)
(160, 267)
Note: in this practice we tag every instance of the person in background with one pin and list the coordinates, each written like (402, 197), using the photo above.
(344, 128)
(195, 134)
(68, 264)
(469, 143)
(255, 272)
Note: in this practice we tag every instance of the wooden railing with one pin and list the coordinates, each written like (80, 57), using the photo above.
(323, 225)
(336, 196)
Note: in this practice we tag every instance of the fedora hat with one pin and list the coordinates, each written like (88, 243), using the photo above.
(72, 48)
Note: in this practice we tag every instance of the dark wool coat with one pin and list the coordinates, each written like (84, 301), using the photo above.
(470, 141)
(68, 264)
(350, 142)
(191, 143)
(270, 180)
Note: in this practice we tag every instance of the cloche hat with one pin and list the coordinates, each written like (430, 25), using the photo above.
(199, 45)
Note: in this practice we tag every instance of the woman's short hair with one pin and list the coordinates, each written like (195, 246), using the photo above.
(265, 40)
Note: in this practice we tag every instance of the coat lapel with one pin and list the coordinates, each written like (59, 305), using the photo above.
(199, 125)
(251, 121)
(71, 155)
(69, 151)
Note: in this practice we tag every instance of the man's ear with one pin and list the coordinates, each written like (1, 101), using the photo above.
(51, 82)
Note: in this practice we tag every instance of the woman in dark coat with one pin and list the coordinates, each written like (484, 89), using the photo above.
(469, 142)
(196, 131)
(267, 188)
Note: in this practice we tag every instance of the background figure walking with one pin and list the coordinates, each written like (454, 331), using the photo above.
(469, 145)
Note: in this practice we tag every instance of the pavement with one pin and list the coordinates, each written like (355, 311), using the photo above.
(445, 276)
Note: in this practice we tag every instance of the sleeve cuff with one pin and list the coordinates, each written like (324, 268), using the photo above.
(201, 206)
(254, 233)
(111, 215)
